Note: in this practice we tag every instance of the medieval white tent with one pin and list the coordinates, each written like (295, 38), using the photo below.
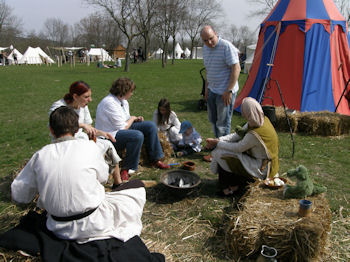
(250, 50)
(178, 51)
(35, 56)
(98, 52)
(197, 52)
(157, 54)
(187, 52)
(12, 55)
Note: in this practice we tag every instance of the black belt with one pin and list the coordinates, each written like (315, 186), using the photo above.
(74, 217)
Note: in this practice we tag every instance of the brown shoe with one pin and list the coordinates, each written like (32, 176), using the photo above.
(207, 158)
(159, 164)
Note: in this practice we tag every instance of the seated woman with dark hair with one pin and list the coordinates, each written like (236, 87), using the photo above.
(239, 158)
(113, 116)
(78, 98)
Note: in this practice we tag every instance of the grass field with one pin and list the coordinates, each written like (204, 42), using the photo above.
(27, 92)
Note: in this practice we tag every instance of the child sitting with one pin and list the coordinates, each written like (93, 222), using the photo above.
(167, 122)
(191, 140)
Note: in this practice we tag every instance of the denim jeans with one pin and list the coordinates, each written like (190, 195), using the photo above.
(133, 138)
(220, 115)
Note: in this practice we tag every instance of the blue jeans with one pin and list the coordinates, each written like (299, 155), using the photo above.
(133, 138)
(220, 115)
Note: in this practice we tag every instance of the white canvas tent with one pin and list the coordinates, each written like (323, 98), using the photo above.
(157, 54)
(178, 51)
(11, 56)
(197, 52)
(35, 56)
(250, 50)
(98, 52)
(187, 52)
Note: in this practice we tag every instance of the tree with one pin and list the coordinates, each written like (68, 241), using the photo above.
(178, 14)
(263, 7)
(56, 30)
(241, 37)
(123, 13)
(10, 25)
(344, 8)
(198, 14)
(146, 11)
(162, 26)
(97, 29)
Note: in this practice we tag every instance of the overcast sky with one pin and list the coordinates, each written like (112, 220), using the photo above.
(34, 12)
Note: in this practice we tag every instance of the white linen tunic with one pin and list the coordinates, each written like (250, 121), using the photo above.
(171, 128)
(67, 176)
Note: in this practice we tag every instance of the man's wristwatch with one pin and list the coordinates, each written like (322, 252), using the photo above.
(230, 91)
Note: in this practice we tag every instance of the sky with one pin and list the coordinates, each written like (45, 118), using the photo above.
(34, 12)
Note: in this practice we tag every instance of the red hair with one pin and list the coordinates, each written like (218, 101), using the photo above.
(79, 88)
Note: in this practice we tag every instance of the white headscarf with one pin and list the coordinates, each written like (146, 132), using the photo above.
(252, 111)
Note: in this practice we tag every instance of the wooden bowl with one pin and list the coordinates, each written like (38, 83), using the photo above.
(189, 165)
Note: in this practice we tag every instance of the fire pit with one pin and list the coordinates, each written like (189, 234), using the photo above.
(180, 179)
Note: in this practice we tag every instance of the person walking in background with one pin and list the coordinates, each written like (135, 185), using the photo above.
(167, 122)
(130, 132)
(190, 142)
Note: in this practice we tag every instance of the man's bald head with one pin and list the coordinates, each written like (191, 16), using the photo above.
(209, 36)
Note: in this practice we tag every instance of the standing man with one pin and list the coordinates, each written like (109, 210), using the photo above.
(222, 71)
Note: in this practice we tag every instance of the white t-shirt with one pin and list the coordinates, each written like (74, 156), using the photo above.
(112, 114)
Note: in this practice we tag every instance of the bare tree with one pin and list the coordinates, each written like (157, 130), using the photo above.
(56, 30)
(344, 8)
(177, 16)
(10, 25)
(146, 10)
(198, 14)
(163, 26)
(263, 7)
(241, 37)
(123, 13)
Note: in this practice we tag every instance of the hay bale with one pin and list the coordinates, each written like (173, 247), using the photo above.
(322, 123)
(166, 146)
(281, 120)
(268, 219)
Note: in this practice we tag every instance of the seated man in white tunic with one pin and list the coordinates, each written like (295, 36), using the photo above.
(68, 176)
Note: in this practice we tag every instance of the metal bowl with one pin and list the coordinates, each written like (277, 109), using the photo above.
(180, 179)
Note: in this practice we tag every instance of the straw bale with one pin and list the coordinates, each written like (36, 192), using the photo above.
(322, 123)
(281, 120)
(166, 146)
(266, 218)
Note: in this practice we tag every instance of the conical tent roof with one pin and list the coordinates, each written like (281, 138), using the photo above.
(18, 55)
(303, 48)
(34, 56)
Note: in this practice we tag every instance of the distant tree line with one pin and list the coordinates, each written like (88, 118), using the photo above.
(149, 24)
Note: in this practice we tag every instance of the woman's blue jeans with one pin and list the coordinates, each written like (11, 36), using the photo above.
(133, 138)
(220, 115)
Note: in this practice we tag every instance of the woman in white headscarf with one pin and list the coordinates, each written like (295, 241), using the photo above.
(251, 154)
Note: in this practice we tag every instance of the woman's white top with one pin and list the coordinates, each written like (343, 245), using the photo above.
(85, 118)
(171, 128)
(112, 114)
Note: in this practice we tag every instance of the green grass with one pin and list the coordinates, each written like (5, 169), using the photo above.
(27, 92)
